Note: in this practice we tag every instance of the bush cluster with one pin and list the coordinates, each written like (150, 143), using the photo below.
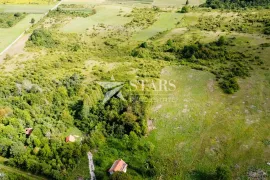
(42, 37)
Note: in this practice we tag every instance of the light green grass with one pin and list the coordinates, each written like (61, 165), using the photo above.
(15, 171)
(8, 35)
(106, 14)
(166, 21)
(204, 127)
(33, 9)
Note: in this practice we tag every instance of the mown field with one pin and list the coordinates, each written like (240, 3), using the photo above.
(217, 115)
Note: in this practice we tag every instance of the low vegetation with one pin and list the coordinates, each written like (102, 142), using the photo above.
(8, 20)
(142, 18)
(215, 57)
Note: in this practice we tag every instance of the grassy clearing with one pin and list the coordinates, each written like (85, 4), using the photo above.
(107, 15)
(8, 35)
(204, 128)
(166, 21)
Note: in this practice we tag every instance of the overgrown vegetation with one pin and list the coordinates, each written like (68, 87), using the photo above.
(8, 20)
(242, 22)
(233, 4)
(215, 57)
(42, 37)
(142, 18)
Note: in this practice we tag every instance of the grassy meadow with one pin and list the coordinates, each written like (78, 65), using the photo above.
(203, 128)
(107, 15)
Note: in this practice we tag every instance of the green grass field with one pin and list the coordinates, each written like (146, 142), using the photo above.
(204, 128)
(106, 14)
(166, 21)
(8, 35)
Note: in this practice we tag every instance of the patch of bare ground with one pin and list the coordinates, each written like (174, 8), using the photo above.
(14, 57)
(150, 125)
(16, 49)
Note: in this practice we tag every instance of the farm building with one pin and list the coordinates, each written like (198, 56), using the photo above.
(118, 165)
(70, 138)
(28, 131)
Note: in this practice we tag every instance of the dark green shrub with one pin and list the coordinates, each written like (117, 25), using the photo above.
(229, 85)
(184, 9)
(267, 30)
(17, 14)
(223, 173)
(42, 37)
(33, 20)
(221, 41)
(144, 45)
(10, 23)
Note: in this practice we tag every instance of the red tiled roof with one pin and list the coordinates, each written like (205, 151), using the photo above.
(118, 165)
(28, 131)
(70, 138)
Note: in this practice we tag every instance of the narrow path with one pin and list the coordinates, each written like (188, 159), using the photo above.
(91, 166)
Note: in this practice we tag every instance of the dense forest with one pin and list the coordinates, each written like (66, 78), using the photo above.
(232, 4)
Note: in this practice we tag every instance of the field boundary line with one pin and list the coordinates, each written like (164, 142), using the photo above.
(11, 44)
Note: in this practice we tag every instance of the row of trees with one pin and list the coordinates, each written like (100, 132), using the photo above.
(233, 4)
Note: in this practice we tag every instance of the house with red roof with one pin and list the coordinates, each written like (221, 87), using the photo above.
(70, 138)
(118, 165)
(28, 131)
